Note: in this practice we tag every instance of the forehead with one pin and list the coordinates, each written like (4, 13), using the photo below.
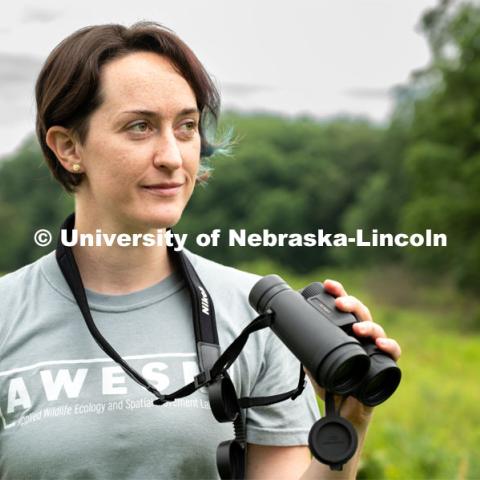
(144, 80)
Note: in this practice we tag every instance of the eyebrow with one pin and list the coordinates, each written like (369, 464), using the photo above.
(151, 113)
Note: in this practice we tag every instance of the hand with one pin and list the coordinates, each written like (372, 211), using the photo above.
(352, 409)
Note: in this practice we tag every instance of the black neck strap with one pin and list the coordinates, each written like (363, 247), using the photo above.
(212, 365)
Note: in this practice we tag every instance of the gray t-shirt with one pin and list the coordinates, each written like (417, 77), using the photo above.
(68, 411)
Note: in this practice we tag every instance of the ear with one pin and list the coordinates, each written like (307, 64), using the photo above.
(65, 147)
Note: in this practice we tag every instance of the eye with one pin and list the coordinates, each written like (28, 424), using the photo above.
(139, 127)
(189, 128)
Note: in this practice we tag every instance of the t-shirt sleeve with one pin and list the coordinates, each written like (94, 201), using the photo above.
(285, 423)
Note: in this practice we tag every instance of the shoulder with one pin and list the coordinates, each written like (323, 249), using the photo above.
(18, 285)
(223, 277)
(13, 281)
(229, 288)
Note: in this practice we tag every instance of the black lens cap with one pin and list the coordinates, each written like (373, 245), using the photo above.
(223, 400)
(333, 441)
(230, 460)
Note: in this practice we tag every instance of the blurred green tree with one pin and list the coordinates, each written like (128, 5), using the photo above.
(29, 200)
(443, 157)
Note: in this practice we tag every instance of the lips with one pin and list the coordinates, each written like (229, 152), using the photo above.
(164, 185)
(163, 189)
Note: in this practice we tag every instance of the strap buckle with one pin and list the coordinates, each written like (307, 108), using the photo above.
(202, 379)
(299, 390)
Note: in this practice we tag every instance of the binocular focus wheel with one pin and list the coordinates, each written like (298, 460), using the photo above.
(223, 400)
(230, 460)
(333, 441)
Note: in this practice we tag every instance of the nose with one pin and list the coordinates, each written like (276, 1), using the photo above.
(167, 153)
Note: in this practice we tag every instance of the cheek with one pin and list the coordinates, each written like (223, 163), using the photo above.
(113, 168)
(191, 158)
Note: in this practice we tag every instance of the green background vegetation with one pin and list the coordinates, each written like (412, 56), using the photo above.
(296, 175)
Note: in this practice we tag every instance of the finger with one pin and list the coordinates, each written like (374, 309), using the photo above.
(318, 390)
(369, 329)
(389, 345)
(351, 304)
(334, 288)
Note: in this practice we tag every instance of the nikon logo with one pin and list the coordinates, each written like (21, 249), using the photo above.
(320, 306)
(204, 301)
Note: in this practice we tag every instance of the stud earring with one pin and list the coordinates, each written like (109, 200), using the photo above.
(76, 167)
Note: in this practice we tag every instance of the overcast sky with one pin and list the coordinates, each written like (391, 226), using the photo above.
(321, 57)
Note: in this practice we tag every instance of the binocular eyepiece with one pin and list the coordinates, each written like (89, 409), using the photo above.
(321, 337)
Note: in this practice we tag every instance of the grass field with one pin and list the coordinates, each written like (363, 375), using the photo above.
(430, 428)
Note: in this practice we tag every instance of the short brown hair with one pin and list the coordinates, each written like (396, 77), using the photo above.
(68, 86)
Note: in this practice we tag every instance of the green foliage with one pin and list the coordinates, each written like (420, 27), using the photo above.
(29, 200)
(417, 432)
(287, 176)
(429, 176)
(443, 160)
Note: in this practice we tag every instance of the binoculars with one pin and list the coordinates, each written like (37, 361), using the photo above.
(321, 337)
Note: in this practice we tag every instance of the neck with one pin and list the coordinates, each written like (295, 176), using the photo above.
(117, 270)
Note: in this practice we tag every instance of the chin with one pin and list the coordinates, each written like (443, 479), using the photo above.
(161, 219)
(143, 215)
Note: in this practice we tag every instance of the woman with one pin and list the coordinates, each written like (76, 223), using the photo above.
(122, 120)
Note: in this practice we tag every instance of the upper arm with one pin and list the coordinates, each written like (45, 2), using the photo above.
(284, 423)
(266, 462)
